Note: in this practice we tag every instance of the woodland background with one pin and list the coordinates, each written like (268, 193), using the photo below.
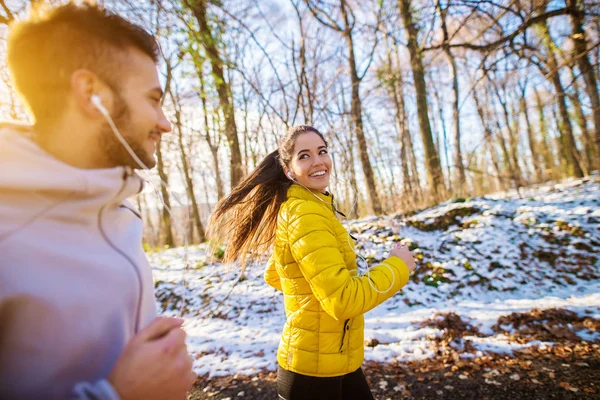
(422, 101)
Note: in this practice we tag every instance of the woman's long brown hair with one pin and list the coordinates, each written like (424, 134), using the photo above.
(247, 218)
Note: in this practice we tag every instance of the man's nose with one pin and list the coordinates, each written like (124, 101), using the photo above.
(164, 125)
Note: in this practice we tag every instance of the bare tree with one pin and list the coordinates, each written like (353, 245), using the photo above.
(580, 50)
(213, 139)
(547, 153)
(489, 139)
(535, 154)
(210, 43)
(435, 176)
(460, 179)
(189, 183)
(588, 142)
(346, 30)
(392, 77)
(568, 144)
(305, 98)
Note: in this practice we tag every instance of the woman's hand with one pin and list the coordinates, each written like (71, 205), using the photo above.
(403, 253)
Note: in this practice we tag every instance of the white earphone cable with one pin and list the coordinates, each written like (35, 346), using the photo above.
(95, 99)
(367, 272)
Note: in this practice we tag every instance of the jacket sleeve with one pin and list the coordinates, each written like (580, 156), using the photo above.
(100, 390)
(271, 275)
(343, 296)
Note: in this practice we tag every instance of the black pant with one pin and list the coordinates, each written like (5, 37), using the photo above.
(293, 386)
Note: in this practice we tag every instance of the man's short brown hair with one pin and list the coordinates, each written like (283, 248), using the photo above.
(45, 50)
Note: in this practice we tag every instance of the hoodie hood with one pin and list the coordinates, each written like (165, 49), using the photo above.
(31, 175)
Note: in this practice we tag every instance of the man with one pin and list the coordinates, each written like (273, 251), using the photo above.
(77, 310)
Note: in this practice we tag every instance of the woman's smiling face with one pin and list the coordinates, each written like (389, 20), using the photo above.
(311, 164)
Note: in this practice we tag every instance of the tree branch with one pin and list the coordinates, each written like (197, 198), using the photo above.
(263, 50)
(9, 15)
(315, 11)
(372, 55)
(491, 46)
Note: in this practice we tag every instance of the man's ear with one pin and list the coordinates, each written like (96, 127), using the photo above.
(85, 84)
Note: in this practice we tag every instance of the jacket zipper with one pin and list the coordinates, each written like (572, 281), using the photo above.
(344, 335)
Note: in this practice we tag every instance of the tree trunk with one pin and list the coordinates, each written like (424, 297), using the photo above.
(459, 178)
(489, 141)
(505, 153)
(349, 156)
(400, 117)
(384, 168)
(213, 143)
(209, 42)
(443, 137)
(357, 120)
(535, 155)
(167, 229)
(148, 220)
(513, 154)
(568, 145)
(569, 148)
(413, 166)
(435, 177)
(308, 106)
(588, 143)
(547, 153)
(405, 135)
(580, 50)
(189, 183)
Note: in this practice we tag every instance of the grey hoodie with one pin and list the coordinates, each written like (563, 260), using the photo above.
(75, 285)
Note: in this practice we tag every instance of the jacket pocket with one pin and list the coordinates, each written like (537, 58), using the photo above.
(346, 328)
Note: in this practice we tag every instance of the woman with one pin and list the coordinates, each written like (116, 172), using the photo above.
(284, 204)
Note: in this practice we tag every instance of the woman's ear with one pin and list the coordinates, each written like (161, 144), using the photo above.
(288, 173)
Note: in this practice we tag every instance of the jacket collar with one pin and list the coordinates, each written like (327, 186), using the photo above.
(303, 193)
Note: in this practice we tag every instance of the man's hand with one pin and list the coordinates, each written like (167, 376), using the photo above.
(405, 255)
(155, 364)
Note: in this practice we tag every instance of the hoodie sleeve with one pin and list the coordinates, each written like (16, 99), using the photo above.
(100, 390)
(316, 249)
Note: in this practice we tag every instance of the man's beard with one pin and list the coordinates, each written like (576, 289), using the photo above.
(116, 153)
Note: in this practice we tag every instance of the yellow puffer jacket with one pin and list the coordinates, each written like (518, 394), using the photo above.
(325, 299)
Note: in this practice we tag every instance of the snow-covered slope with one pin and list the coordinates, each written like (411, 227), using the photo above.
(481, 259)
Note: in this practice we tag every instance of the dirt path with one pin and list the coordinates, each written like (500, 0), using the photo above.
(567, 371)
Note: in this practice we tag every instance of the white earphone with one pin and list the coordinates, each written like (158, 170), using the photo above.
(97, 102)
(289, 175)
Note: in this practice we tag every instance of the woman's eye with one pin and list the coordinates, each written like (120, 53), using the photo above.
(303, 156)
(323, 152)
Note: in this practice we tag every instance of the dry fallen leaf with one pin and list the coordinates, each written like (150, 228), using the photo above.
(567, 386)
(492, 382)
